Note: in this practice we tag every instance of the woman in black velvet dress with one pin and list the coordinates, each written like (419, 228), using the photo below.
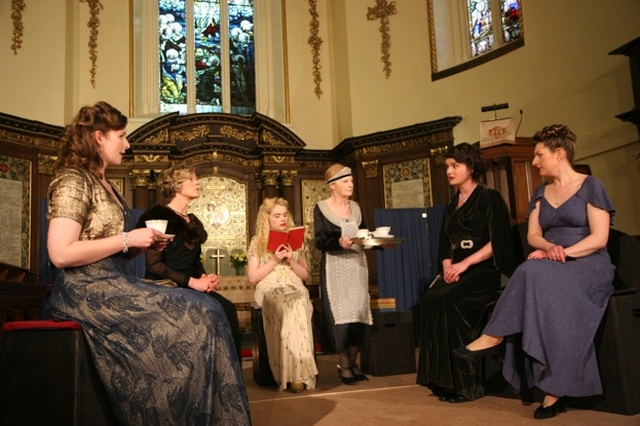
(181, 261)
(475, 249)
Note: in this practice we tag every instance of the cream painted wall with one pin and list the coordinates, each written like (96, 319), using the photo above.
(32, 83)
(48, 80)
(562, 74)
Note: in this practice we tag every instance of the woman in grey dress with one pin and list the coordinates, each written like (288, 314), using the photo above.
(165, 355)
(554, 301)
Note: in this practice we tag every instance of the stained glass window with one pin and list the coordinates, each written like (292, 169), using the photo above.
(207, 61)
(483, 34)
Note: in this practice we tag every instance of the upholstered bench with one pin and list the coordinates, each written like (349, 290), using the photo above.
(47, 376)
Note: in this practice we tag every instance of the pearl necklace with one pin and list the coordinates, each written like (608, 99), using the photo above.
(178, 212)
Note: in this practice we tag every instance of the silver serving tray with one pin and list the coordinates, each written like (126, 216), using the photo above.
(377, 241)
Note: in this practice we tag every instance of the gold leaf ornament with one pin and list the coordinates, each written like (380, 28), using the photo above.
(382, 10)
(17, 7)
(93, 24)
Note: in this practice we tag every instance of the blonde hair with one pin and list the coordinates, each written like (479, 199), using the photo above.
(262, 222)
(172, 179)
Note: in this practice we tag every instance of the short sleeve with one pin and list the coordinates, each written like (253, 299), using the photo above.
(539, 192)
(69, 195)
(593, 192)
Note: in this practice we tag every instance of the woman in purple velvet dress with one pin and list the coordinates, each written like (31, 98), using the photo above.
(555, 300)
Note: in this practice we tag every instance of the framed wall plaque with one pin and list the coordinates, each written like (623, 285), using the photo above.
(15, 220)
(407, 184)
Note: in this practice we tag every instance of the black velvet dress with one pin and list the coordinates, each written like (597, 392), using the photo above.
(453, 315)
(181, 259)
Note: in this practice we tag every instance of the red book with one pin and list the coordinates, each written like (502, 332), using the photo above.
(294, 237)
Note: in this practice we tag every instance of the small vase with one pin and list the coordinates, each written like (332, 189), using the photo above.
(240, 270)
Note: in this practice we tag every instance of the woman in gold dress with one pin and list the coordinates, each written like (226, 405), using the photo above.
(286, 307)
(165, 355)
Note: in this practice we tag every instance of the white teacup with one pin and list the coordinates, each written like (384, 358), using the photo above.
(362, 233)
(382, 231)
(157, 224)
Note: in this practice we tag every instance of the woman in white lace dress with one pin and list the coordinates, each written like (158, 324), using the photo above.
(286, 307)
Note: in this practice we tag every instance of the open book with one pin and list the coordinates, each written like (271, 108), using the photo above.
(294, 237)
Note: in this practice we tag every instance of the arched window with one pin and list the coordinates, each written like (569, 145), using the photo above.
(467, 33)
(206, 56)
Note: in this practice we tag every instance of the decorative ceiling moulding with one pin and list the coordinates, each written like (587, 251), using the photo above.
(315, 42)
(382, 10)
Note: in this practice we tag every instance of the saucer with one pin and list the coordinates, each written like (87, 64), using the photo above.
(386, 236)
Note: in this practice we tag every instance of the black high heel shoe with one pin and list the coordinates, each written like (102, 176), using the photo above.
(553, 410)
(474, 356)
(358, 374)
(345, 379)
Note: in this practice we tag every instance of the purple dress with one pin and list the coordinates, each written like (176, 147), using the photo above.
(556, 307)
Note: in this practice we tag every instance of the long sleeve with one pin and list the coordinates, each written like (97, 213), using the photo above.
(326, 236)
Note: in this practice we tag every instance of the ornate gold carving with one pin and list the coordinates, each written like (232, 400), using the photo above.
(438, 151)
(161, 137)
(150, 158)
(239, 135)
(93, 24)
(45, 164)
(282, 159)
(268, 137)
(315, 42)
(145, 178)
(395, 146)
(189, 135)
(382, 10)
(370, 168)
(28, 139)
(288, 177)
(17, 7)
(270, 177)
(214, 155)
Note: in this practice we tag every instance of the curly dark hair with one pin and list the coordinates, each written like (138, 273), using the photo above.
(78, 145)
(469, 155)
(557, 136)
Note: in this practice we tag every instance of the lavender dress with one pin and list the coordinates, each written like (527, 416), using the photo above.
(556, 307)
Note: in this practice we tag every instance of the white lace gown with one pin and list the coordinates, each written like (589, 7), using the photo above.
(286, 317)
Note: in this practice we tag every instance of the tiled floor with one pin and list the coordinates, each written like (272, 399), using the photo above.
(396, 400)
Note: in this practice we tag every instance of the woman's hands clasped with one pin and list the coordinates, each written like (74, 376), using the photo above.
(205, 284)
(553, 252)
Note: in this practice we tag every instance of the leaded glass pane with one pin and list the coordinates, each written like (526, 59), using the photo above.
(208, 72)
(511, 20)
(480, 31)
(173, 56)
(241, 56)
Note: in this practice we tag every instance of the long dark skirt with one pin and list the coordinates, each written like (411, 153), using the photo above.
(452, 315)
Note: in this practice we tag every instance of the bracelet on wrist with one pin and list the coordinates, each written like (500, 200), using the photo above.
(125, 248)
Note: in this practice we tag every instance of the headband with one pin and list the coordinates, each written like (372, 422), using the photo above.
(346, 171)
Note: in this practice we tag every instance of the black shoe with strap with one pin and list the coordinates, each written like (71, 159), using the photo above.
(346, 376)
